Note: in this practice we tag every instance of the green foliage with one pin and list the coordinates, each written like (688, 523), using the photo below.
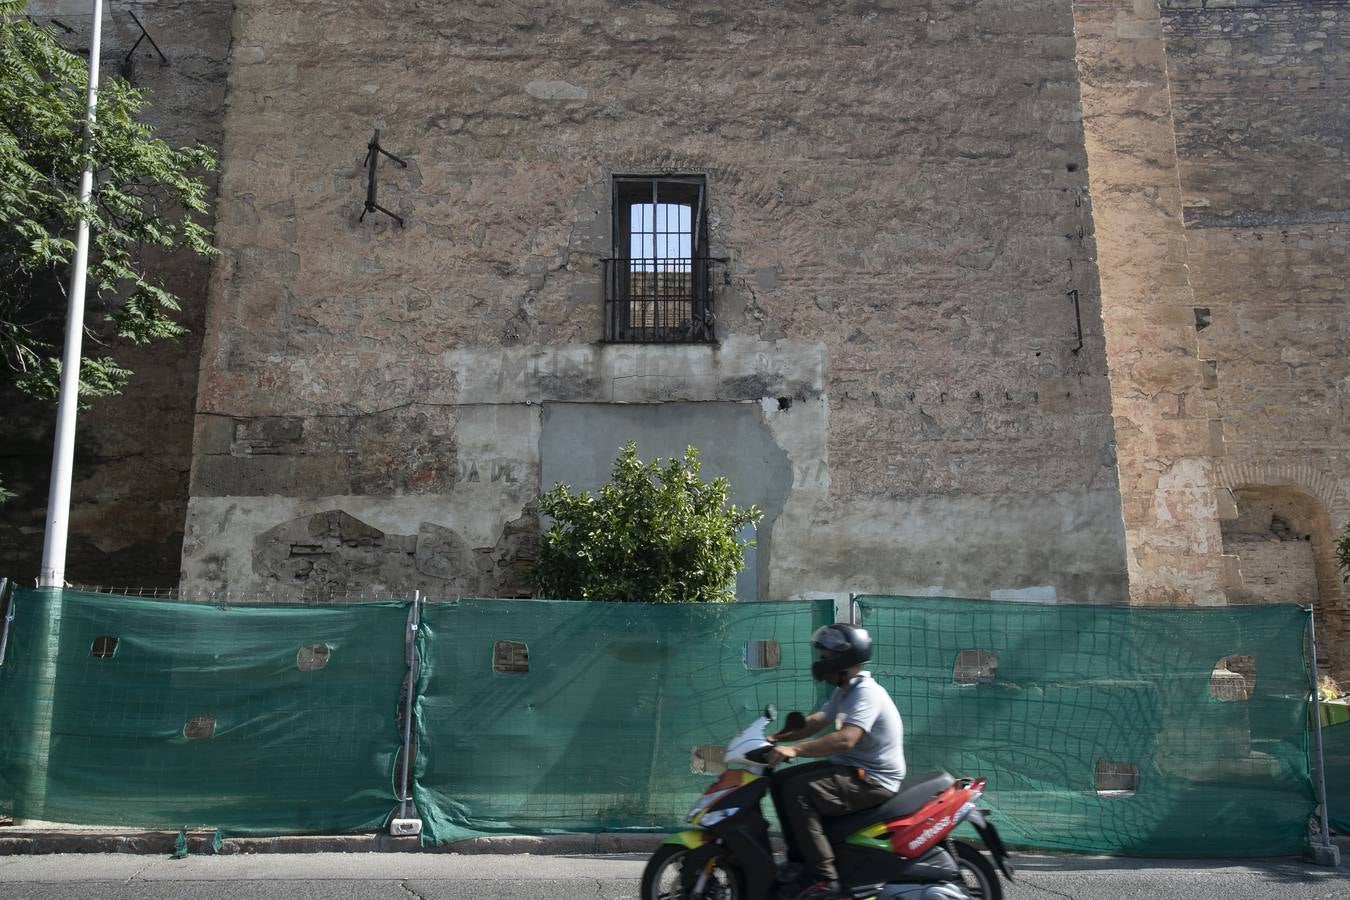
(656, 533)
(1343, 552)
(147, 196)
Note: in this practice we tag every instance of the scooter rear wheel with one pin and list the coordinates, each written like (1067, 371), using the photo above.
(661, 879)
(978, 876)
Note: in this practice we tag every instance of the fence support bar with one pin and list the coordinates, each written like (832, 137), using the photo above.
(404, 824)
(6, 592)
(1325, 853)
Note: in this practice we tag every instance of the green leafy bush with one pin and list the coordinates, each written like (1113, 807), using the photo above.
(657, 533)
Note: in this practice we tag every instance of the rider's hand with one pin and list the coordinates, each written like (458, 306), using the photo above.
(780, 754)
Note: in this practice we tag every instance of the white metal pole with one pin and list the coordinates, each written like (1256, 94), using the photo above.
(63, 453)
(1325, 853)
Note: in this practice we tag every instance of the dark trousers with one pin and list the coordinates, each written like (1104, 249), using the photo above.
(803, 794)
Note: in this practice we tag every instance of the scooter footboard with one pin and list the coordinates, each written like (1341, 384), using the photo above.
(863, 866)
(922, 892)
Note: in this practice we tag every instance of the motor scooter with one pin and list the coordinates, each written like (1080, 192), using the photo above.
(902, 849)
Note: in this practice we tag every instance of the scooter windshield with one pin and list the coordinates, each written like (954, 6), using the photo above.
(752, 738)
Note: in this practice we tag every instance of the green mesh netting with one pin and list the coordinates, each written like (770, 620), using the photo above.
(1336, 752)
(598, 734)
(1083, 697)
(96, 734)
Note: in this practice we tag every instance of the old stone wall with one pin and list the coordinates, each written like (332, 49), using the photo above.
(1261, 98)
(899, 191)
(133, 452)
(909, 199)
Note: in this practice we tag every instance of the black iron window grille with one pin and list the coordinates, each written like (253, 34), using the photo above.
(658, 284)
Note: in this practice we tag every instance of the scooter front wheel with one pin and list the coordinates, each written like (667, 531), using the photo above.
(663, 879)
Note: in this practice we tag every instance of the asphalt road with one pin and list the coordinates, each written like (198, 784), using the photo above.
(429, 876)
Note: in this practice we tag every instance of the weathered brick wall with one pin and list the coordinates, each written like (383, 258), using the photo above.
(900, 191)
(133, 452)
(1275, 571)
(1261, 96)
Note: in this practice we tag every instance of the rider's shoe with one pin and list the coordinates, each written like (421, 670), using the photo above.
(823, 890)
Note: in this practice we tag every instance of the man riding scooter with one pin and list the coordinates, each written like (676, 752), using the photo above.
(863, 758)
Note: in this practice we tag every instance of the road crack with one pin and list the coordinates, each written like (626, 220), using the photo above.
(1038, 887)
(137, 874)
(404, 885)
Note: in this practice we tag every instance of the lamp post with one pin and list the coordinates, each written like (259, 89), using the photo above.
(63, 452)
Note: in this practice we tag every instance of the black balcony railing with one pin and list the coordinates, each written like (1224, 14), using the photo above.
(659, 300)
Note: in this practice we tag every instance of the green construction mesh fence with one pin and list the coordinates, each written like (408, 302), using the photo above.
(1336, 752)
(566, 715)
(132, 712)
(1141, 731)
(1144, 731)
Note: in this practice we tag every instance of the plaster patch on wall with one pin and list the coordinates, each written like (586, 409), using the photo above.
(740, 369)
(579, 441)
(954, 546)
(1045, 593)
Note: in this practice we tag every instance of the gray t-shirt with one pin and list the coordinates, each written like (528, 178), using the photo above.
(881, 751)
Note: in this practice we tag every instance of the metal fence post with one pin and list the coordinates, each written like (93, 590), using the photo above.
(1325, 853)
(6, 590)
(405, 823)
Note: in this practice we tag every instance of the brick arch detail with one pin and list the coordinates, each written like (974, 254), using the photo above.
(1318, 483)
(1331, 495)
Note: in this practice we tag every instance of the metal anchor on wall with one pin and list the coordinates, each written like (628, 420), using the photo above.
(373, 153)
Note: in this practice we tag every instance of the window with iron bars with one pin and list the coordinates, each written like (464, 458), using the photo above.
(658, 283)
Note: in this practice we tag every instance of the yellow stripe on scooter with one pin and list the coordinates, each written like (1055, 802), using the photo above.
(691, 839)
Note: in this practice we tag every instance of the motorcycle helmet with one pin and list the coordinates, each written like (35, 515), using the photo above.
(840, 646)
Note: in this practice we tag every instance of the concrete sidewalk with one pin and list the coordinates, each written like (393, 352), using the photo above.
(22, 840)
(16, 840)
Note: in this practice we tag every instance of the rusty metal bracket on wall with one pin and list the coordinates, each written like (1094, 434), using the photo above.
(145, 36)
(373, 152)
(1077, 318)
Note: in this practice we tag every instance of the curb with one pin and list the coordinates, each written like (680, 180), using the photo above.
(23, 841)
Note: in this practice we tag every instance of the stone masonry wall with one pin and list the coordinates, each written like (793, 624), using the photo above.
(899, 189)
(1261, 97)
(133, 452)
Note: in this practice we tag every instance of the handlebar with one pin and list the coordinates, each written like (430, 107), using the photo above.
(757, 756)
